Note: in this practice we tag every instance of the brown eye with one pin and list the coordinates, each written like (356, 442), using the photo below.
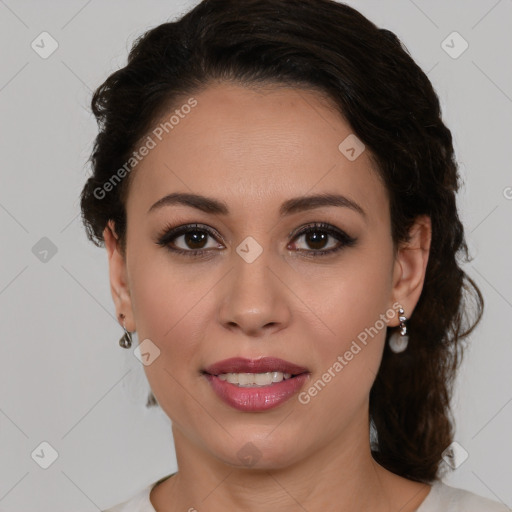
(195, 239)
(317, 237)
(190, 240)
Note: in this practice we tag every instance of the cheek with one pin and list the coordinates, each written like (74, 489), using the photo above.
(162, 293)
(166, 316)
(349, 297)
(170, 310)
(352, 303)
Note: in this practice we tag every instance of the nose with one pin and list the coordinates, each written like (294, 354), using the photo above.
(255, 298)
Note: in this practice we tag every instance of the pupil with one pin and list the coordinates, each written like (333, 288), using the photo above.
(314, 238)
(193, 237)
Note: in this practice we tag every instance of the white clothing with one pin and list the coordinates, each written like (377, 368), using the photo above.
(441, 498)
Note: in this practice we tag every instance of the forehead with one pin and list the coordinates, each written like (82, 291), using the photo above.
(253, 146)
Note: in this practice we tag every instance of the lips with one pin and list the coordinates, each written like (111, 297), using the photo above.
(258, 398)
(262, 365)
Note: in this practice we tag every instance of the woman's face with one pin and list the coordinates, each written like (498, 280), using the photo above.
(261, 289)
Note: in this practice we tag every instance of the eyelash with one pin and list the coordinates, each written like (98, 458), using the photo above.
(169, 233)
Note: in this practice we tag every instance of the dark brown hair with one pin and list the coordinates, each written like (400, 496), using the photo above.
(390, 105)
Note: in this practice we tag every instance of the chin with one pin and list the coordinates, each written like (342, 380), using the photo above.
(259, 452)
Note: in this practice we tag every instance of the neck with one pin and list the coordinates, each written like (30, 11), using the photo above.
(340, 475)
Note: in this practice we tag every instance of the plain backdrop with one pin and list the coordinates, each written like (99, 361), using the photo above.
(65, 380)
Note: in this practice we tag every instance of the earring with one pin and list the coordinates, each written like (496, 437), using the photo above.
(126, 339)
(398, 342)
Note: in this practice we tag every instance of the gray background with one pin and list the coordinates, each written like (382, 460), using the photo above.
(64, 378)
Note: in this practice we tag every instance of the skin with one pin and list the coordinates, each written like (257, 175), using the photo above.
(253, 149)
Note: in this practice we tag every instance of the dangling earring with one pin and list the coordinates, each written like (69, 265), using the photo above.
(398, 342)
(126, 339)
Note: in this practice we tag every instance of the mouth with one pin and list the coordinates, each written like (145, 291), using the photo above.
(250, 380)
(255, 384)
(254, 372)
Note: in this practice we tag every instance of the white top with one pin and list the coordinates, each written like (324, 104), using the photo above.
(441, 498)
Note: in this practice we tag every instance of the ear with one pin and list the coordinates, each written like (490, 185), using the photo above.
(118, 277)
(410, 267)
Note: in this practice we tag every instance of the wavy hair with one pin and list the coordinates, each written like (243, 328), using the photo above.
(390, 104)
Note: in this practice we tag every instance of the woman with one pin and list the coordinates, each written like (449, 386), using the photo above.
(275, 189)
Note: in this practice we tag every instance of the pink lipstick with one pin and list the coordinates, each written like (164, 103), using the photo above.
(253, 385)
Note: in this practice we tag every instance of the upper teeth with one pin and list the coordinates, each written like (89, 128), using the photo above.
(254, 379)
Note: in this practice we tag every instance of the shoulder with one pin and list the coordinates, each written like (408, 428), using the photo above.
(138, 503)
(443, 497)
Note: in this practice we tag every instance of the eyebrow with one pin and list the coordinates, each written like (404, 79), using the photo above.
(290, 206)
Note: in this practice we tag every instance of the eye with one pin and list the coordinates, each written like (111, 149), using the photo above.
(317, 236)
(193, 239)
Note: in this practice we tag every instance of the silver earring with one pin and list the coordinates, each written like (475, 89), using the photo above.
(126, 339)
(398, 342)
